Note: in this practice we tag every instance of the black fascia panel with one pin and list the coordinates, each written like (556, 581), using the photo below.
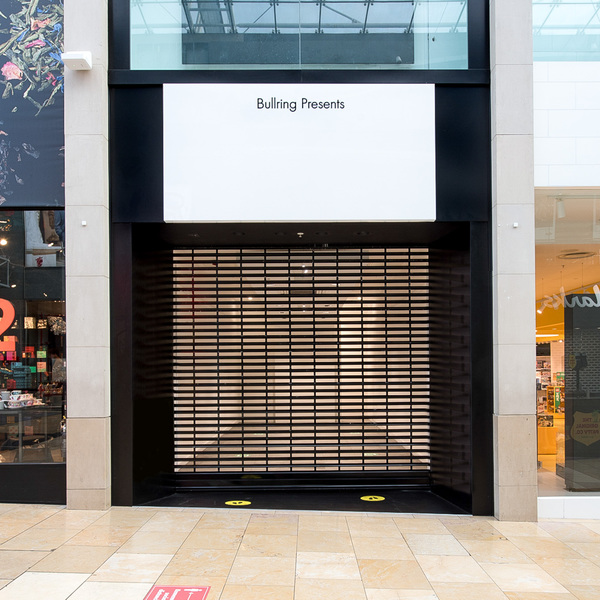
(463, 153)
(136, 154)
(463, 170)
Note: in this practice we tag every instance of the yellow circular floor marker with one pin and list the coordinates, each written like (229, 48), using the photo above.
(372, 498)
(238, 503)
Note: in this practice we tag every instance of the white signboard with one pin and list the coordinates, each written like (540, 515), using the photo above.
(262, 152)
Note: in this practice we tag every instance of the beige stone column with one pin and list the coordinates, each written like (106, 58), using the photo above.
(513, 238)
(87, 259)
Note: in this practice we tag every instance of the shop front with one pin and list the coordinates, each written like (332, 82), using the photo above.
(306, 307)
(567, 279)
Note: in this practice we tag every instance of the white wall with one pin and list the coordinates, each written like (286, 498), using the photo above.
(567, 124)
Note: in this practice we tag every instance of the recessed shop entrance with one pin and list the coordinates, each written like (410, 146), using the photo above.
(308, 367)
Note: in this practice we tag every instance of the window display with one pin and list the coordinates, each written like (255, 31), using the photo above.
(568, 335)
(32, 337)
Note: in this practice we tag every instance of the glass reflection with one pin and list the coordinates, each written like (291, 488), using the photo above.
(568, 335)
(183, 34)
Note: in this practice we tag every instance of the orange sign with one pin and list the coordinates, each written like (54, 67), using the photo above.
(6, 320)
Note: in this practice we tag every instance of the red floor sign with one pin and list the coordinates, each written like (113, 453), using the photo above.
(172, 592)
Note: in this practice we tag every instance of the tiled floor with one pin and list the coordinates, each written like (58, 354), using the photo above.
(55, 554)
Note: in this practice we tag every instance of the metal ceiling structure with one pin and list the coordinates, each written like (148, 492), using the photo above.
(566, 17)
(299, 16)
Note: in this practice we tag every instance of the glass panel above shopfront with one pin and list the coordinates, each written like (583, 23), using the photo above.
(32, 337)
(568, 335)
(566, 30)
(299, 34)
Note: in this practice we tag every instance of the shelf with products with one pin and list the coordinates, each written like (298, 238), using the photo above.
(555, 399)
(543, 372)
(35, 365)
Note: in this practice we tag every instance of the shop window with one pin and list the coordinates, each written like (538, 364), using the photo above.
(566, 30)
(256, 34)
(32, 337)
(568, 335)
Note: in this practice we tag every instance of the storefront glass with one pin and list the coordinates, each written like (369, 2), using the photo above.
(566, 30)
(568, 339)
(32, 336)
(254, 34)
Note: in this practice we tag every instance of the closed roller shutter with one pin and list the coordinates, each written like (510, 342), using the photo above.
(302, 361)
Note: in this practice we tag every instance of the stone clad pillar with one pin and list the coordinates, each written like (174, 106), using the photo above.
(87, 259)
(513, 239)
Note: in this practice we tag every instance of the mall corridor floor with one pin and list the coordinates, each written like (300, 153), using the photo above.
(120, 554)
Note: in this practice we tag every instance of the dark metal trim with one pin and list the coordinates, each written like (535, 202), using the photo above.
(33, 483)
(122, 77)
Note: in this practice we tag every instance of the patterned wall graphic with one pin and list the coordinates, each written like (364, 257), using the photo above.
(31, 103)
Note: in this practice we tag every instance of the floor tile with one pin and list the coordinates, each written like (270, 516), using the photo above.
(452, 569)
(570, 532)
(154, 542)
(224, 520)
(36, 538)
(217, 539)
(268, 545)
(373, 527)
(135, 568)
(324, 541)
(585, 592)
(173, 522)
(468, 591)
(473, 530)
(385, 548)
(589, 550)
(330, 589)
(101, 590)
(272, 527)
(509, 529)
(72, 519)
(391, 594)
(201, 561)
(592, 525)
(4, 508)
(538, 596)
(262, 570)
(125, 517)
(442, 545)
(74, 559)
(536, 547)
(4, 582)
(572, 571)
(326, 565)
(15, 562)
(9, 529)
(425, 526)
(322, 522)
(257, 592)
(497, 551)
(398, 574)
(49, 586)
(32, 513)
(523, 578)
(99, 535)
